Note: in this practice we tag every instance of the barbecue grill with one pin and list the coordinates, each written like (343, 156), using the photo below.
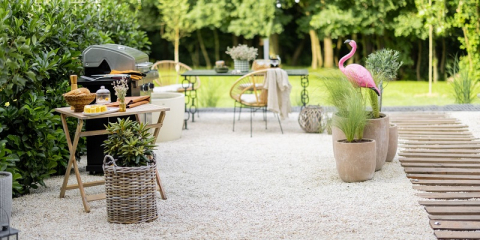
(98, 62)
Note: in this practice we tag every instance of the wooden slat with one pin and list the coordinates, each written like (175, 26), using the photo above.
(96, 197)
(442, 165)
(444, 176)
(455, 217)
(454, 225)
(432, 132)
(426, 121)
(86, 184)
(437, 160)
(431, 142)
(439, 155)
(449, 195)
(457, 151)
(437, 138)
(455, 210)
(430, 146)
(443, 126)
(447, 188)
(449, 203)
(443, 171)
(448, 182)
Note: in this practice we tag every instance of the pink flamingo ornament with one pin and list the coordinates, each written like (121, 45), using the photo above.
(356, 72)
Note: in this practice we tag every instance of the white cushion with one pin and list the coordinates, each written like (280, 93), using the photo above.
(248, 98)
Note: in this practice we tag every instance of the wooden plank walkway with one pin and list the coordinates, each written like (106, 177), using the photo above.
(441, 157)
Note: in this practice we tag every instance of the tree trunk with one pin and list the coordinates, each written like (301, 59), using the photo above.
(430, 57)
(364, 47)
(337, 50)
(217, 44)
(196, 59)
(328, 48)
(235, 40)
(274, 45)
(356, 57)
(419, 60)
(176, 45)
(203, 49)
(297, 52)
(314, 46)
(319, 51)
(435, 65)
(443, 58)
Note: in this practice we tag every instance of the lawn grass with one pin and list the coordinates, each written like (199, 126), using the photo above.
(214, 91)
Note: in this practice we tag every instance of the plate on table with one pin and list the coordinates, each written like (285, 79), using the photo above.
(109, 110)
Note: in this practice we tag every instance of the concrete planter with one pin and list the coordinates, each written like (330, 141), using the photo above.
(377, 129)
(392, 142)
(173, 122)
(355, 161)
(5, 198)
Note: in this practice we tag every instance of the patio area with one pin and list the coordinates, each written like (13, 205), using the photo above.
(225, 185)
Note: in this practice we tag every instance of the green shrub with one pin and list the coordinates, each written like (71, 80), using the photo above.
(129, 142)
(464, 86)
(40, 46)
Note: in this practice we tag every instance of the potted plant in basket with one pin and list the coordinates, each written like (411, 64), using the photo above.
(241, 56)
(351, 120)
(129, 168)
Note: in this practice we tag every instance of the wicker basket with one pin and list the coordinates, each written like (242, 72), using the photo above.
(78, 102)
(310, 119)
(130, 192)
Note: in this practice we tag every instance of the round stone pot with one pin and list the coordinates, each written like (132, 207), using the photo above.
(392, 142)
(377, 129)
(5, 198)
(355, 161)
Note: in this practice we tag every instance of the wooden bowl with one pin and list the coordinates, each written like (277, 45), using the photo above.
(78, 102)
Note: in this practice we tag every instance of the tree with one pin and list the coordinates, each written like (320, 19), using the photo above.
(176, 22)
(309, 8)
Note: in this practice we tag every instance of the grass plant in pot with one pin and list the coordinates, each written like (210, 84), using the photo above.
(130, 173)
(242, 55)
(354, 155)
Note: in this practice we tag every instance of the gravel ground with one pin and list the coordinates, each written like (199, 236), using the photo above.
(225, 185)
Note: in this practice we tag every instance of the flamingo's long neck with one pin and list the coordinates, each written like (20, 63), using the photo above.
(346, 57)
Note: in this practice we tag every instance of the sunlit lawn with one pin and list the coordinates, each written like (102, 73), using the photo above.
(396, 93)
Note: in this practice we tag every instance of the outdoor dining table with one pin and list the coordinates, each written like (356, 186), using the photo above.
(190, 98)
(67, 112)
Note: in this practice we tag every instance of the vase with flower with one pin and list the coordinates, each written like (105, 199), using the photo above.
(241, 56)
(121, 87)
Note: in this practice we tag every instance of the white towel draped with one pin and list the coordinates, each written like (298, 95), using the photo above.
(279, 89)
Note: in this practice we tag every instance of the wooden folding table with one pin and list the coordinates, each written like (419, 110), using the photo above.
(67, 112)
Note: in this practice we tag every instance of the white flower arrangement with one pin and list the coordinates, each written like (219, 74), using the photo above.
(121, 88)
(242, 52)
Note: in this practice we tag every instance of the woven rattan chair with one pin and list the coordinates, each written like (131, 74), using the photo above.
(170, 79)
(248, 92)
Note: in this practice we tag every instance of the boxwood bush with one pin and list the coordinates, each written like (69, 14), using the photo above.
(40, 46)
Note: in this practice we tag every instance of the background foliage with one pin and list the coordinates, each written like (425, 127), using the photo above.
(40, 46)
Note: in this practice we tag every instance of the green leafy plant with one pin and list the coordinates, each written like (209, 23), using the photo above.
(350, 106)
(383, 65)
(464, 87)
(242, 52)
(129, 142)
(40, 46)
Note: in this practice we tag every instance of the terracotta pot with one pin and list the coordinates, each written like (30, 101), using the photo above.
(376, 129)
(355, 161)
(392, 142)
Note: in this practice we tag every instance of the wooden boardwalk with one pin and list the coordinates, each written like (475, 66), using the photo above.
(441, 157)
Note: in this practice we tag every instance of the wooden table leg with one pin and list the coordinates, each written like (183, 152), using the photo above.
(73, 162)
(161, 117)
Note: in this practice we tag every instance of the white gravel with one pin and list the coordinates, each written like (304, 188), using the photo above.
(225, 185)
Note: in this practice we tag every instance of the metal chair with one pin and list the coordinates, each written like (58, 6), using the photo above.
(248, 92)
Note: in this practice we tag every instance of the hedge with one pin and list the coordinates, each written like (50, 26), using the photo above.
(40, 46)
